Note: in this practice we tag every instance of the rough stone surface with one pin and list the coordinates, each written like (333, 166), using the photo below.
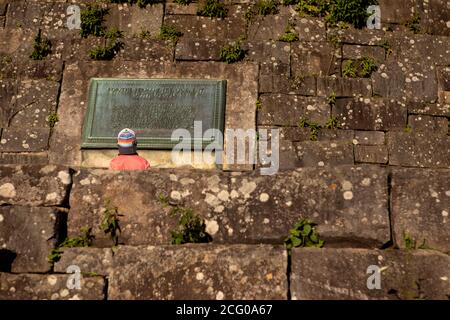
(49, 287)
(20, 140)
(370, 137)
(418, 149)
(343, 87)
(420, 207)
(188, 271)
(341, 274)
(319, 154)
(30, 233)
(238, 208)
(371, 154)
(34, 185)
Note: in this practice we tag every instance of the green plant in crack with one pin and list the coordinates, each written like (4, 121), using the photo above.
(139, 3)
(52, 119)
(213, 9)
(92, 18)
(331, 99)
(191, 228)
(262, 8)
(289, 34)
(110, 222)
(303, 234)
(83, 240)
(42, 47)
(258, 104)
(332, 123)
(112, 47)
(313, 127)
(232, 52)
(367, 67)
(386, 46)
(315, 8)
(408, 129)
(349, 70)
(169, 32)
(411, 243)
(414, 23)
(183, 2)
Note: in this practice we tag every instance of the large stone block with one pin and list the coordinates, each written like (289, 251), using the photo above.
(420, 207)
(49, 287)
(342, 274)
(343, 87)
(421, 123)
(370, 114)
(320, 154)
(237, 207)
(418, 149)
(188, 272)
(20, 140)
(286, 110)
(27, 102)
(30, 233)
(371, 154)
(34, 185)
(315, 58)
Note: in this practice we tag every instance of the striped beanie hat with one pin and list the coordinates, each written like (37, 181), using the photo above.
(126, 138)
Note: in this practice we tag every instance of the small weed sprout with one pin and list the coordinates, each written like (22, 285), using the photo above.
(184, 2)
(289, 34)
(414, 24)
(349, 69)
(332, 99)
(368, 66)
(169, 32)
(232, 53)
(386, 46)
(91, 21)
(191, 228)
(258, 104)
(313, 127)
(84, 240)
(332, 123)
(213, 9)
(303, 234)
(42, 47)
(52, 119)
(110, 222)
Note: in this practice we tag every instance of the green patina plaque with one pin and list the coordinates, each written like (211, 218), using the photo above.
(153, 108)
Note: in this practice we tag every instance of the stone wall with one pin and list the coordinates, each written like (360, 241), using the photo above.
(378, 177)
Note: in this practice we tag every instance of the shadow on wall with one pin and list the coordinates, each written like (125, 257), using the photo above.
(6, 260)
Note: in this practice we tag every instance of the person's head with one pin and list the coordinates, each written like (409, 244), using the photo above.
(126, 141)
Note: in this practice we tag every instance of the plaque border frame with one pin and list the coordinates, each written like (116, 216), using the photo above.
(94, 142)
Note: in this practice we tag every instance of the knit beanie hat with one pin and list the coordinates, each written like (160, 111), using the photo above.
(126, 141)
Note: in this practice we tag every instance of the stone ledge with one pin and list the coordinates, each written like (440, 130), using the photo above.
(187, 271)
(341, 274)
(49, 287)
(34, 185)
(238, 207)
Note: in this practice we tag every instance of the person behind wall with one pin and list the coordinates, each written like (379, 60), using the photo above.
(128, 158)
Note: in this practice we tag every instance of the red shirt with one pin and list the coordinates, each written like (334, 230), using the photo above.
(129, 162)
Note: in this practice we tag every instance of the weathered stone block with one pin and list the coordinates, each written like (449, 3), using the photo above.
(357, 52)
(199, 50)
(23, 140)
(436, 109)
(319, 154)
(418, 149)
(133, 19)
(421, 123)
(420, 207)
(286, 110)
(188, 271)
(370, 137)
(34, 185)
(27, 101)
(370, 114)
(23, 158)
(49, 287)
(315, 58)
(30, 233)
(276, 79)
(268, 52)
(175, 8)
(340, 274)
(343, 87)
(237, 207)
(371, 154)
(146, 50)
(390, 80)
(196, 27)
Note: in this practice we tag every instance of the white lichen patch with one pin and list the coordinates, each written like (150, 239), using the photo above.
(347, 185)
(1, 218)
(64, 177)
(247, 188)
(199, 276)
(211, 227)
(173, 177)
(348, 195)
(48, 169)
(51, 196)
(212, 200)
(85, 182)
(186, 181)
(219, 295)
(7, 190)
(444, 213)
(52, 280)
(175, 195)
(223, 195)
(264, 197)
(365, 182)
